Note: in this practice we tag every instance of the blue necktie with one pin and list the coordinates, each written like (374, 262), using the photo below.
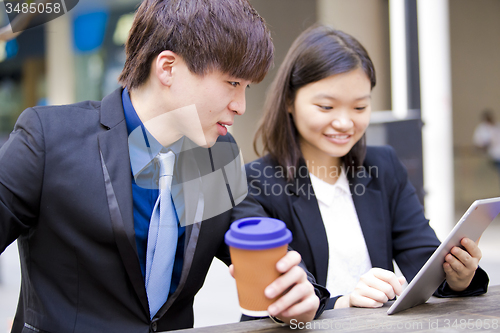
(162, 238)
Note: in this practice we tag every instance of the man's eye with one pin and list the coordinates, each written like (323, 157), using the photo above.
(234, 83)
(361, 108)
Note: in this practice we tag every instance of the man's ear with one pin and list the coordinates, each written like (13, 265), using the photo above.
(164, 66)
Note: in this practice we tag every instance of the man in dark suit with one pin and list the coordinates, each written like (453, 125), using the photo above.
(75, 186)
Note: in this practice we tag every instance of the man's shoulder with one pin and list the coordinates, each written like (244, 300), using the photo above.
(83, 112)
(59, 118)
(114, 98)
(69, 110)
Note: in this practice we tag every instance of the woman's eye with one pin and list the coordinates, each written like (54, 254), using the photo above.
(234, 83)
(325, 107)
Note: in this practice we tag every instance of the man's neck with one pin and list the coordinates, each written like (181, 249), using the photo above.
(147, 102)
(151, 108)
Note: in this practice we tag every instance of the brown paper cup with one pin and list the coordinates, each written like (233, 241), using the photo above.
(254, 270)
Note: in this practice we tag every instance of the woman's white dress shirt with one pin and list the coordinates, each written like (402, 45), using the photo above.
(348, 254)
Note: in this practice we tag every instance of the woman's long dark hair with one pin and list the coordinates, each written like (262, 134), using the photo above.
(319, 52)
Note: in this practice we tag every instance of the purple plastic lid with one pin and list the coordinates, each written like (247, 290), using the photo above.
(258, 233)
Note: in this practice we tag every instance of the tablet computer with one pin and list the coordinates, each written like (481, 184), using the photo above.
(475, 220)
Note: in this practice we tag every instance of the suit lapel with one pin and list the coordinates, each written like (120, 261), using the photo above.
(368, 203)
(113, 145)
(308, 214)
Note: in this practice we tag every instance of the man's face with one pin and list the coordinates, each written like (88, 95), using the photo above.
(216, 96)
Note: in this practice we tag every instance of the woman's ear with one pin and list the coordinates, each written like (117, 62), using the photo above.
(165, 67)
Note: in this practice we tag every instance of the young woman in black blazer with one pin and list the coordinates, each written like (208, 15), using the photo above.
(351, 208)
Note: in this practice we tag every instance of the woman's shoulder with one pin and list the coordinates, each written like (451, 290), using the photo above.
(373, 152)
(384, 160)
(261, 163)
(380, 155)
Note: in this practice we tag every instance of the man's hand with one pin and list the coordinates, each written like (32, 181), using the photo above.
(460, 265)
(298, 300)
(374, 288)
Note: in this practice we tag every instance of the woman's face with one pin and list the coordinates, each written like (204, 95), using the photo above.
(332, 114)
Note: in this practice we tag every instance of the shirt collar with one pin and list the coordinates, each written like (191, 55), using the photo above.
(143, 147)
(326, 193)
(131, 117)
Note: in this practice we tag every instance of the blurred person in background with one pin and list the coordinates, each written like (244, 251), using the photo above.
(487, 137)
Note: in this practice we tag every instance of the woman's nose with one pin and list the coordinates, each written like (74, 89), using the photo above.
(342, 123)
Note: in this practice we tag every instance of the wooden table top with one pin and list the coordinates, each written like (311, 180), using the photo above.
(462, 314)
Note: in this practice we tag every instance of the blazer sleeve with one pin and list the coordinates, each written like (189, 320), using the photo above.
(414, 241)
(21, 177)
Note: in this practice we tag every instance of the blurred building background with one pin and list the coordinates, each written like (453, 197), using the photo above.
(437, 65)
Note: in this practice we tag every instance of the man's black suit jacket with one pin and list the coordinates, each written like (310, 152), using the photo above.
(66, 196)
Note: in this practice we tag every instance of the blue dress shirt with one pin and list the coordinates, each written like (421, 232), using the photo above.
(144, 196)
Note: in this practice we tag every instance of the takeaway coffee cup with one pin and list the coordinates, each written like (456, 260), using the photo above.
(256, 244)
